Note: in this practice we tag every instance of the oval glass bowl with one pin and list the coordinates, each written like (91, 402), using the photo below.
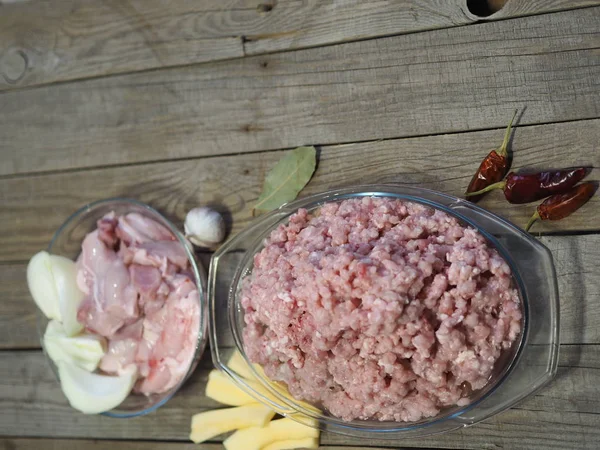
(67, 242)
(530, 364)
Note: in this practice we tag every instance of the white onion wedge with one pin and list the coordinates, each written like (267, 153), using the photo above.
(70, 297)
(84, 350)
(41, 285)
(92, 393)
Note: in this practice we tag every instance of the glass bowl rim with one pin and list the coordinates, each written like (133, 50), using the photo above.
(200, 280)
(387, 190)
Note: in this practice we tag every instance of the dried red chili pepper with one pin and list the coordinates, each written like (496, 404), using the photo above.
(560, 206)
(493, 167)
(528, 188)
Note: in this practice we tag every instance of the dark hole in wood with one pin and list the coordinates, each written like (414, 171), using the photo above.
(484, 8)
(264, 7)
(264, 64)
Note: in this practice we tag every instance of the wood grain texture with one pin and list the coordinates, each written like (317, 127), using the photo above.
(296, 24)
(564, 412)
(575, 258)
(33, 207)
(78, 444)
(67, 39)
(44, 41)
(512, 8)
(451, 80)
(318, 22)
(18, 314)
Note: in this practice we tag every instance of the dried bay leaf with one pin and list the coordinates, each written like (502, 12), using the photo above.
(287, 178)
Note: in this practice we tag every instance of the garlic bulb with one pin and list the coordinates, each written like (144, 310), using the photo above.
(204, 227)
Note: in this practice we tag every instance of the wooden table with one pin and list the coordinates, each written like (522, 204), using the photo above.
(183, 103)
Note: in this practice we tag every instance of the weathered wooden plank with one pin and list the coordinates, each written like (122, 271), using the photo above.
(323, 22)
(502, 9)
(450, 80)
(44, 41)
(579, 288)
(33, 207)
(80, 444)
(561, 415)
(18, 314)
(311, 23)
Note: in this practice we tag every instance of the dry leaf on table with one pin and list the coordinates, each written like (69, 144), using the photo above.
(286, 179)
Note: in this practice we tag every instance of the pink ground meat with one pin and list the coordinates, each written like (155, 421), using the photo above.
(381, 309)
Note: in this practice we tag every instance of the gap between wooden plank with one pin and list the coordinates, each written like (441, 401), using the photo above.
(257, 152)
(16, 443)
(233, 183)
(44, 41)
(357, 91)
(514, 9)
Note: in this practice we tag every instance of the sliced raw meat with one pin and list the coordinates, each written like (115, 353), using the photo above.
(119, 356)
(135, 228)
(141, 298)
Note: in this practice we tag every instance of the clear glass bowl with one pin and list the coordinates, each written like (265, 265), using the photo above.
(67, 242)
(530, 364)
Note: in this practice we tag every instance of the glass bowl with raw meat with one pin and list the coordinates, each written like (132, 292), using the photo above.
(385, 311)
(143, 299)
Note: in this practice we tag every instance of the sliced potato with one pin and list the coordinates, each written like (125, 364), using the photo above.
(209, 424)
(223, 390)
(238, 364)
(256, 438)
(293, 443)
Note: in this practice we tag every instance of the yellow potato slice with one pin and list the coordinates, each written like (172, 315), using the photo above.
(238, 364)
(223, 390)
(256, 438)
(206, 425)
(293, 443)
